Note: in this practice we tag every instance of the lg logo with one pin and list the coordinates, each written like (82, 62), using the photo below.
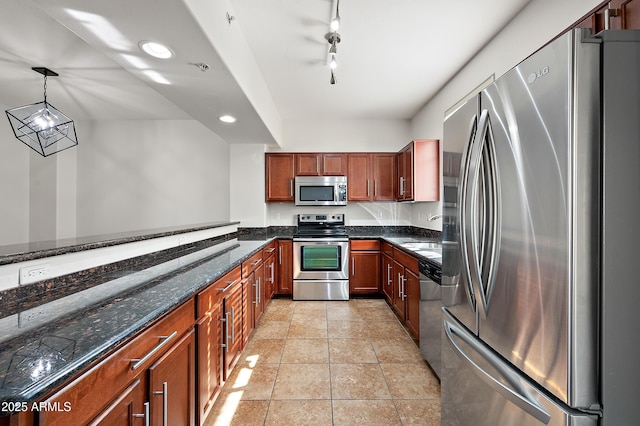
(536, 75)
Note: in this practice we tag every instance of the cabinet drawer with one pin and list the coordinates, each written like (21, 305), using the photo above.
(212, 295)
(369, 245)
(252, 263)
(269, 249)
(408, 261)
(387, 248)
(93, 390)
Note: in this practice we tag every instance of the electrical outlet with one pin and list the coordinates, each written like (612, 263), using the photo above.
(34, 273)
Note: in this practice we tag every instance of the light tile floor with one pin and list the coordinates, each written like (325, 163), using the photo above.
(329, 363)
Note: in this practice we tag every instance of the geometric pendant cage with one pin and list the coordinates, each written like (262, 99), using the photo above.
(41, 126)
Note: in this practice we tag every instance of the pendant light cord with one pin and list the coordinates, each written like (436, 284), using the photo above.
(45, 88)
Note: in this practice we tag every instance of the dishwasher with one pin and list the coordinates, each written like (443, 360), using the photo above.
(431, 314)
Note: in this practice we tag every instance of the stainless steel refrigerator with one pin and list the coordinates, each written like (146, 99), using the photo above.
(543, 323)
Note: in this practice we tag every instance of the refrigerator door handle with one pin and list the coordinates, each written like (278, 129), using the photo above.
(518, 393)
(463, 216)
(483, 183)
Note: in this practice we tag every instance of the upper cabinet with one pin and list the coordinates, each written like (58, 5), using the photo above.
(321, 164)
(371, 177)
(280, 172)
(419, 171)
(615, 15)
(413, 174)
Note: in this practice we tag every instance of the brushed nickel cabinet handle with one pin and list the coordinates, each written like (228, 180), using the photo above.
(163, 341)
(163, 392)
(144, 415)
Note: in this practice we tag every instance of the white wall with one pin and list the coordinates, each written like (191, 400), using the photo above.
(14, 186)
(539, 22)
(123, 176)
(134, 175)
(247, 185)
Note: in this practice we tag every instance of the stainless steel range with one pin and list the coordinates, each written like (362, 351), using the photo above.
(321, 258)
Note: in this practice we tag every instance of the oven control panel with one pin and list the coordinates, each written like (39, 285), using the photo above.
(321, 218)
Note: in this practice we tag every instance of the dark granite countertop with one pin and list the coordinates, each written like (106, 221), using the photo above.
(75, 331)
(46, 345)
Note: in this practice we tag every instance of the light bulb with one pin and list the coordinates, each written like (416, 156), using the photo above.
(335, 24)
(333, 63)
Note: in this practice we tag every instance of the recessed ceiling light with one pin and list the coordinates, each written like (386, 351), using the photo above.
(227, 119)
(156, 50)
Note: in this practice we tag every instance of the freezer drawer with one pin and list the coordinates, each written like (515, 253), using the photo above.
(479, 388)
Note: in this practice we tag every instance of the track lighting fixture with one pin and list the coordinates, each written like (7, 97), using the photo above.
(333, 38)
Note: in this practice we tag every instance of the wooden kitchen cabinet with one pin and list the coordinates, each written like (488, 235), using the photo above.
(364, 276)
(110, 392)
(412, 307)
(279, 176)
(398, 304)
(127, 409)
(419, 171)
(284, 285)
(211, 331)
(387, 275)
(371, 176)
(232, 331)
(321, 164)
(172, 385)
(406, 290)
(269, 278)
(615, 15)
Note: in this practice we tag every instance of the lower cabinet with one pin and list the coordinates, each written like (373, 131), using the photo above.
(172, 385)
(405, 291)
(387, 275)
(364, 271)
(148, 380)
(284, 260)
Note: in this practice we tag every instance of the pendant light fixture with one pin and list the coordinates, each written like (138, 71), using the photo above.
(41, 126)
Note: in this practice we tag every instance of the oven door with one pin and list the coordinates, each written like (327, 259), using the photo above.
(320, 259)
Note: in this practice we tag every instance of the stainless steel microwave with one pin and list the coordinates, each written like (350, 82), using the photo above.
(321, 190)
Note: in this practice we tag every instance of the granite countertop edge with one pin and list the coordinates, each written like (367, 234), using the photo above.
(30, 251)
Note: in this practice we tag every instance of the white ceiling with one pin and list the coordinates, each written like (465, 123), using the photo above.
(393, 57)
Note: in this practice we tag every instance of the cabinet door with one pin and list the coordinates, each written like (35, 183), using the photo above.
(405, 171)
(232, 330)
(269, 279)
(384, 177)
(359, 177)
(285, 267)
(365, 272)
(308, 164)
(334, 164)
(128, 409)
(209, 343)
(412, 314)
(247, 307)
(398, 289)
(387, 277)
(624, 14)
(172, 385)
(279, 170)
(258, 294)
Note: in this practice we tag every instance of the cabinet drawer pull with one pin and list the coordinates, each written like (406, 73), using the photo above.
(145, 415)
(229, 285)
(389, 279)
(256, 262)
(164, 340)
(271, 250)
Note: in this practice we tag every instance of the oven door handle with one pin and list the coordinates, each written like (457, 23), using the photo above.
(321, 240)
